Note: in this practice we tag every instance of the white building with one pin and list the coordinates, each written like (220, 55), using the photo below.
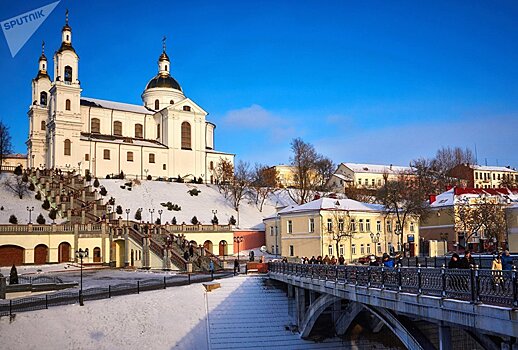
(167, 136)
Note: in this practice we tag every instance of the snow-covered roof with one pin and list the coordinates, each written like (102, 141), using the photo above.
(494, 168)
(333, 204)
(456, 195)
(377, 168)
(343, 177)
(120, 106)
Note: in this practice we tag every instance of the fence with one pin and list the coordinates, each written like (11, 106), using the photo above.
(483, 261)
(474, 285)
(40, 302)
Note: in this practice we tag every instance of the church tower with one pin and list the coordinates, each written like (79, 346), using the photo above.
(64, 124)
(38, 114)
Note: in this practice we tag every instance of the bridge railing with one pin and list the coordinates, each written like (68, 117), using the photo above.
(492, 287)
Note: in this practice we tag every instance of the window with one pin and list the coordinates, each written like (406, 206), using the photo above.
(373, 182)
(151, 157)
(187, 108)
(379, 182)
(138, 131)
(389, 226)
(290, 226)
(311, 225)
(68, 74)
(494, 176)
(353, 225)
(292, 251)
(67, 105)
(411, 226)
(362, 249)
(341, 225)
(129, 156)
(164, 167)
(498, 176)
(87, 157)
(166, 69)
(157, 104)
(42, 125)
(43, 98)
(68, 146)
(366, 182)
(211, 165)
(271, 230)
(368, 225)
(330, 250)
(359, 181)
(476, 175)
(353, 249)
(329, 225)
(186, 135)
(171, 102)
(341, 249)
(158, 131)
(361, 225)
(378, 226)
(379, 248)
(398, 227)
(273, 249)
(368, 248)
(106, 154)
(117, 128)
(95, 126)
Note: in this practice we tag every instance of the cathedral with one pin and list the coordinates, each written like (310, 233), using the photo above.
(167, 136)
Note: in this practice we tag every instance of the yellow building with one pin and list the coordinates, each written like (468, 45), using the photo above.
(366, 176)
(512, 227)
(482, 176)
(337, 227)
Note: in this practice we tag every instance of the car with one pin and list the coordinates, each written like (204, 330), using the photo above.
(366, 260)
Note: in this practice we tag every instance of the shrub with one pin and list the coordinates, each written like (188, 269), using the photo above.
(46, 204)
(149, 177)
(215, 220)
(118, 210)
(157, 221)
(200, 180)
(40, 219)
(173, 222)
(25, 178)
(194, 192)
(38, 196)
(108, 177)
(13, 276)
(2, 207)
(88, 177)
(18, 170)
(103, 191)
(31, 187)
(179, 179)
(13, 219)
(129, 184)
(96, 182)
(129, 188)
(138, 215)
(121, 175)
(194, 220)
(111, 201)
(232, 220)
(53, 214)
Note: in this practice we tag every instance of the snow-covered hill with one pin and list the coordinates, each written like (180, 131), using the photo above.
(149, 194)
(12, 204)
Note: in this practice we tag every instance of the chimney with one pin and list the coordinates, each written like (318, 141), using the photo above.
(433, 198)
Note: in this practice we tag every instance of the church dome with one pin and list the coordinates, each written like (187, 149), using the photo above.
(163, 81)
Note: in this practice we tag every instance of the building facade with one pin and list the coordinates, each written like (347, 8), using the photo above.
(364, 176)
(335, 227)
(167, 136)
(480, 176)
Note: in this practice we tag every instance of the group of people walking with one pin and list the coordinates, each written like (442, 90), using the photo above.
(325, 260)
(500, 262)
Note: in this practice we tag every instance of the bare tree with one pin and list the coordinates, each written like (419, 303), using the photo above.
(509, 181)
(324, 169)
(5, 143)
(304, 161)
(339, 228)
(263, 181)
(17, 185)
(223, 173)
(447, 158)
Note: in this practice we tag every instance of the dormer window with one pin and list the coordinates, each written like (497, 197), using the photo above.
(187, 108)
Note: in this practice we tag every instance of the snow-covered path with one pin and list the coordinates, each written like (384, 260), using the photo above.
(246, 313)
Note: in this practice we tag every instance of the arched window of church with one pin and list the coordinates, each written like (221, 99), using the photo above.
(42, 125)
(68, 147)
(95, 126)
(117, 128)
(186, 135)
(166, 67)
(43, 98)
(129, 156)
(187, 108)
(211, 165)
(68, 74)
(158, 131)
(157, 104)
(67, 105)
(151, 157)
(138, 131)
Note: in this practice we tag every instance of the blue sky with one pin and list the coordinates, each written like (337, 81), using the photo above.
(364, 81)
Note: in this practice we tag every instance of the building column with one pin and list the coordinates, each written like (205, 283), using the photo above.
(444, 337)
(126, 248)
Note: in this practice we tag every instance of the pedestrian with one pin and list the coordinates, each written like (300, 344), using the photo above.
(507, 261)
(467, 261)
(373, 261)
(454, 262)
(313, 260)
(191, 250)
(326, 260)
(333, 260)
(319, 260)
(387, 261)
(496, 268)
(341, 260)
(186, 255)
(236, 266)
(211, 266)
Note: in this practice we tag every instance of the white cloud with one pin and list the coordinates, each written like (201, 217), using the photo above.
(252, 117)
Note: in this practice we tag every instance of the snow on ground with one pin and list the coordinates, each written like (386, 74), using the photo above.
(246, 312)
(149, 195)
(12, 204)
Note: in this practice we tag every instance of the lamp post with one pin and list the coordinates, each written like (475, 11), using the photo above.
(399, 233)
(146, 170)
(79, 166)
(127, 216)
(151, 211)
(375, 238)
(30, 209)
(160, 211)
(238, 240)
(81, 254)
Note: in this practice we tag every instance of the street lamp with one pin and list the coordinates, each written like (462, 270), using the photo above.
(79, 166)
(160, 211)
(30, 209)
(146, 170)
(140, 211)
(214, 217)
(238, 240)
(127, 216)
(109, 209)
(151, 211)
(81, 254)
(375, 238)
(399, 233)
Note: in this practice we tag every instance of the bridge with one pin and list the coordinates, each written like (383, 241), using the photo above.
(482, 304)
